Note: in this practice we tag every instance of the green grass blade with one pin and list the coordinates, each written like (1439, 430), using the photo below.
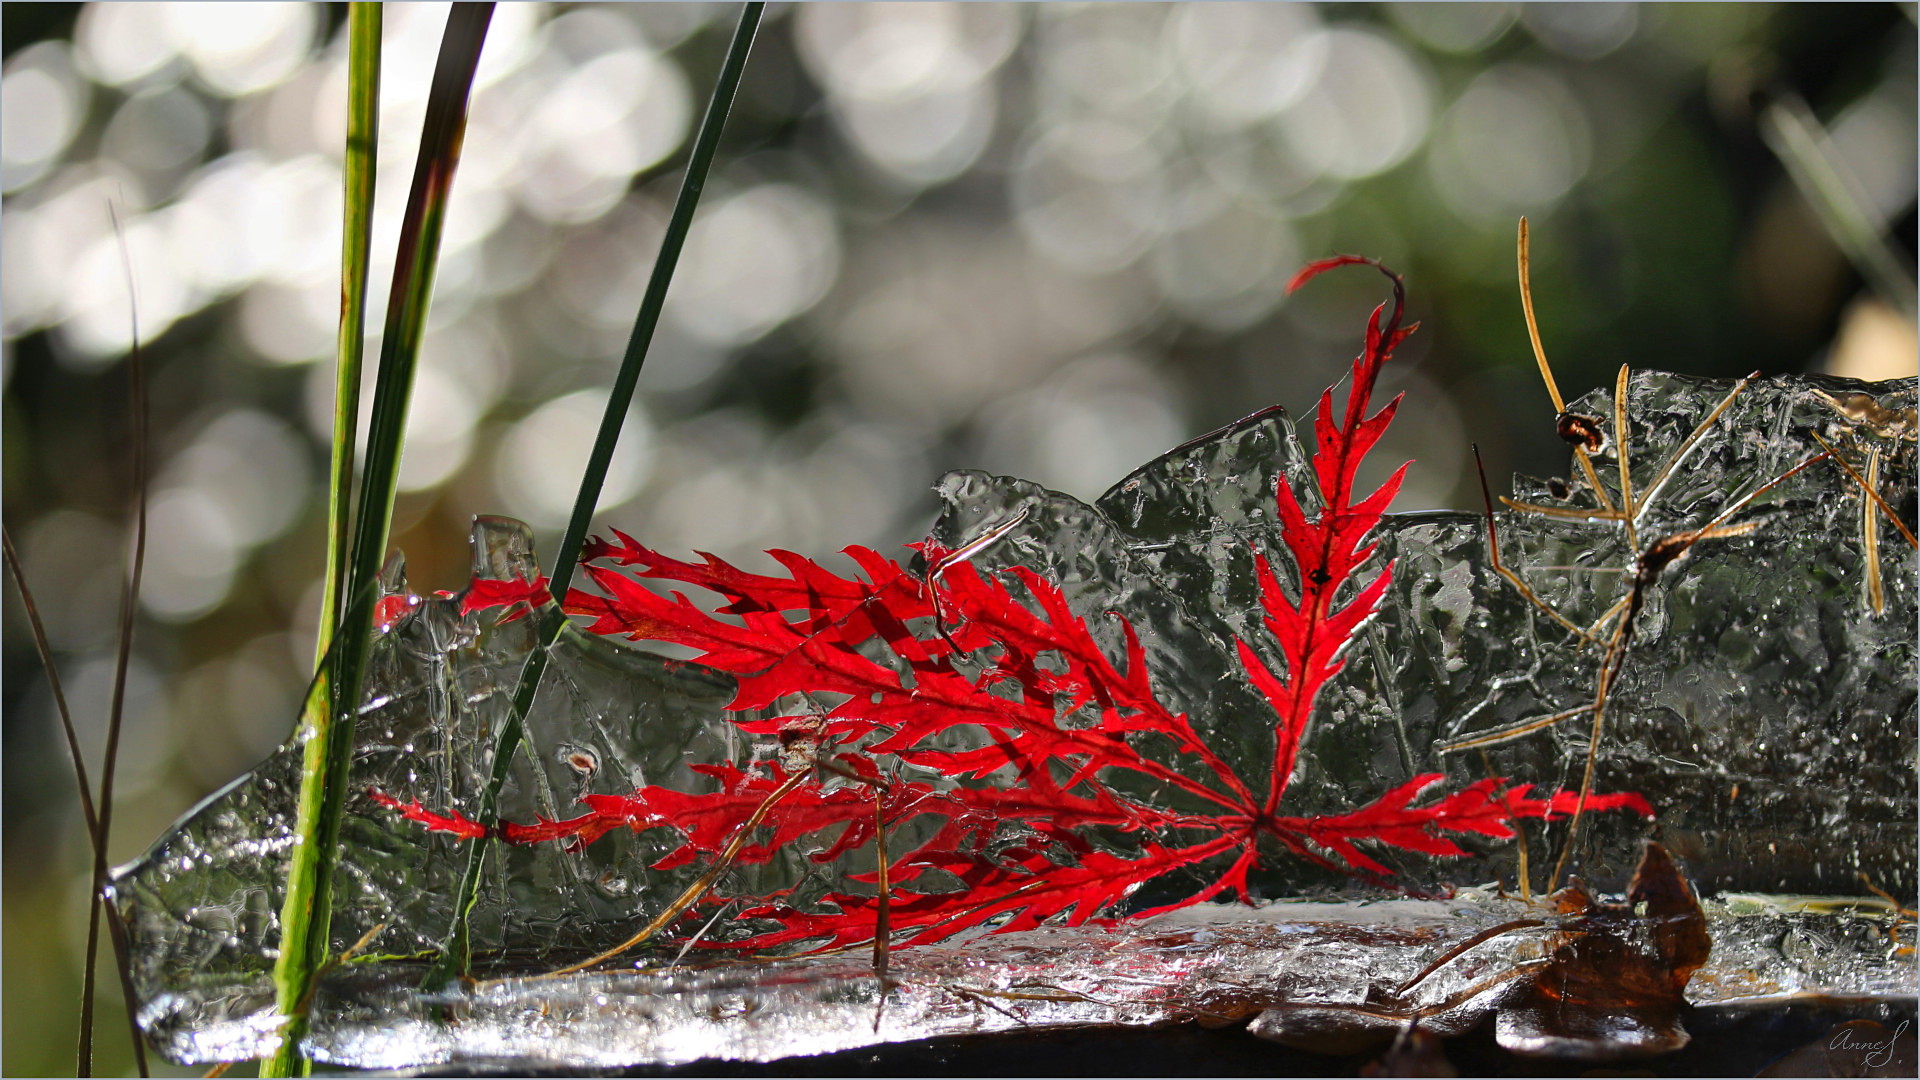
(620, 398)
(363, 136)
(328, 721)
(1802, 144)
(453, 956)
(364, 25)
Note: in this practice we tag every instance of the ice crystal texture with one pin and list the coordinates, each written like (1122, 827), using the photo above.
(1763, 706)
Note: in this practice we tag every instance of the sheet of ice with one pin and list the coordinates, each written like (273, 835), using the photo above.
(1214, 962)
(1765, 710)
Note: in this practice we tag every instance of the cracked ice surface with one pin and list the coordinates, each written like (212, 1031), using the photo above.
(1763, 708)
(1766, 711)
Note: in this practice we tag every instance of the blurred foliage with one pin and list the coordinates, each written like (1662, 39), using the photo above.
(1046, 240)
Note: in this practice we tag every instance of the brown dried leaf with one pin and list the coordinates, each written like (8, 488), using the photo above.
(1614, 986)
(1611, 984)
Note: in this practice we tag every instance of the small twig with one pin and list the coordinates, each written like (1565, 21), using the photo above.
(1871, 492)
(1060, 993)
(1621, 457)
(1898, 907)
(1540, 358)
(1901, 915)
(1521, 871)
(305, 1004)
(694, 892)
(1461, 949)
(1870, 536)
(333, 964)
(959, 555)
(1512, 731)
(1500, 567)
(123, 660)
(698, 934)
(1653, 561)
(979, 998)
(41, 646)
(84, 1061)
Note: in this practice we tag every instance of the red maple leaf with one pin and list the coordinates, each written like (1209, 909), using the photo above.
(1042, 739)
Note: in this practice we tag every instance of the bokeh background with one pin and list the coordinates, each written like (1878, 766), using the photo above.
(1044, 240)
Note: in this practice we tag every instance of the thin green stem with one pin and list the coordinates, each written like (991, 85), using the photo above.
(364, 24)
(362, 149)
(454, 953)
(328, 722)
